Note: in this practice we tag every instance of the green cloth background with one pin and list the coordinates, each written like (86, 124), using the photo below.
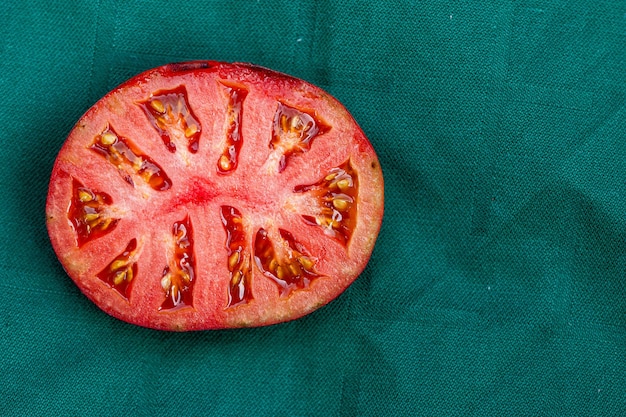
(498, 284)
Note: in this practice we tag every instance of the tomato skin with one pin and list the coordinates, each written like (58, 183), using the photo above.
(267, 115)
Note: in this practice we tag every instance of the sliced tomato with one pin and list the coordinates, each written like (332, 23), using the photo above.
(208, 195)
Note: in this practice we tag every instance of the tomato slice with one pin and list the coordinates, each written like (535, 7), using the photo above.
(209, 195)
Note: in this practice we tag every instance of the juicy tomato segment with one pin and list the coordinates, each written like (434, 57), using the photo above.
(295, 270)
(293, 132)
(336, 194)
(170, 114)
(239, 288)
(88, 213)
(256, 206)
(179, 275)
(124, 155)
(120, 272)
(230, 155)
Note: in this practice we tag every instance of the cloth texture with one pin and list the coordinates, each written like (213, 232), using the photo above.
(498, 283)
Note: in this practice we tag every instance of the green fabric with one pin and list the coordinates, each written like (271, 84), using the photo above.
(498, 284)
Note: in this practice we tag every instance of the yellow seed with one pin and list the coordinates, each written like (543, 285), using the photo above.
(224, 163)
(84, 196)
(161, 122)
(157, 105)
(306, 262)
(108, 138)
(191, 130)
(294, 268)
(129, 275)
(334, 224)
(273, 264)
(340, 204)
(331, 176)
(137, 163)
(295, 122)
(185, 276)
(166, 281)
(119, 277)
(118, 264)
(233, 260)
(106, 223)
(245, 263)
(236, 279)
(90, 217)
(280, 272)
(343, 184)
(283, 122)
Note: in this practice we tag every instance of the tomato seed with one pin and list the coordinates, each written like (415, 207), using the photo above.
(166, 281)
(233, 260)
(224, 163)
(117, 264)
(108, 138)
(272, 265)
(191, 130)
(84, 196)
(306, 262)
(340, 204)
(280, 272)
(343, 184)
(90, 217)
(157, 105)
(236, 279)
(119, 277)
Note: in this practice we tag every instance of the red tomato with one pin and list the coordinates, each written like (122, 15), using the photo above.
(208, 195)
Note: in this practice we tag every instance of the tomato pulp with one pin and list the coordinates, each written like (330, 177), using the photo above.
(208, 195)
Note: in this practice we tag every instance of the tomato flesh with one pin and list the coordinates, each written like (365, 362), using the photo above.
(209, 195)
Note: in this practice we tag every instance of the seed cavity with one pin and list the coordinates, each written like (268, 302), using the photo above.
(238, 257)
(129, 160)
(294, 131)
(294, 269)
(235, 96)
(336, 195)
(171, 115)
(178, 276)
(89, 213)
(120, 273)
